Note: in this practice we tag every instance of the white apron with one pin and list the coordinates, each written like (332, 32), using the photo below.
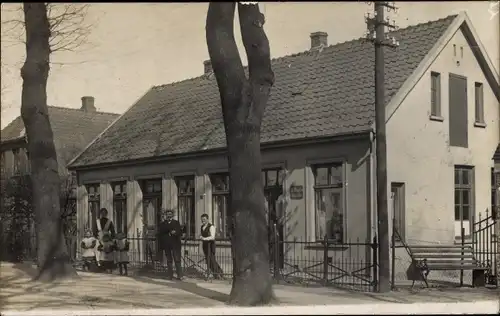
(89, 251)
(100, 233)
(121, 255)
(106, 254)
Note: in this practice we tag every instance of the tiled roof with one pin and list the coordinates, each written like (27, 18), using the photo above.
(316, 93)
(73, 129)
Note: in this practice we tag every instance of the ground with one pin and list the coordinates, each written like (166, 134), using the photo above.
(100, 291)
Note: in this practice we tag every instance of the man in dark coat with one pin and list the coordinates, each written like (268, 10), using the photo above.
(169, 238)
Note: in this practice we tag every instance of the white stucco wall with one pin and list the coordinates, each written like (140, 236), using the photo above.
(419, 154)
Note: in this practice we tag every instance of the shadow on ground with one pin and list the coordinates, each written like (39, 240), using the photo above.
(189, 287)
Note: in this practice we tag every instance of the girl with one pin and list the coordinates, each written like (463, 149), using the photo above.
(122, 247)
(88, 255)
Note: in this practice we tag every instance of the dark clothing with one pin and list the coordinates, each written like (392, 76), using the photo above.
(111, 228)
(165, 235)
(169, 239)
(209, 252)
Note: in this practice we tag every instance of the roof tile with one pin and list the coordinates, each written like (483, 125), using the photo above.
(316, 93)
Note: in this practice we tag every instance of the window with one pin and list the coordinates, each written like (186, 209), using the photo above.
(93, 192)
(17, 161)
(458, 112)
(221, 215)
(329, 202)
(120, 206)
(435, 94)
(479, 102)
(398, 209)
(186, 212)
(464, 207)
(151, 204)
(2, 161)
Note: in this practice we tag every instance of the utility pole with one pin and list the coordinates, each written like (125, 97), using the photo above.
(376, 34)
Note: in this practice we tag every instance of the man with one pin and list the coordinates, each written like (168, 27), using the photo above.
(208, 242)
(169, 238)
(104, 226)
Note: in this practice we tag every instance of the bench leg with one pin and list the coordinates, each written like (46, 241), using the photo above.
(424, 276)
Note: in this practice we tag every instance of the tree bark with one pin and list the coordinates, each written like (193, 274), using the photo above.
(53, 260)
(243, 102)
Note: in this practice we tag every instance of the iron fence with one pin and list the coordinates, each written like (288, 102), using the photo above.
(485, 246)
(350, 265)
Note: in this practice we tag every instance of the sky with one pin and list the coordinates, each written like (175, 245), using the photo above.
(134, 46)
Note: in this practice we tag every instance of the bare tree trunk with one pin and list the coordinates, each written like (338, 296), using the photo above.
(243, 103)
(53, 259)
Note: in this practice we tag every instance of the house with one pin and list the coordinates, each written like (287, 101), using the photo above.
(168, 149)
(73, 129)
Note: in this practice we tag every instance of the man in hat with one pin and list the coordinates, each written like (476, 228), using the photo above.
(169, 238)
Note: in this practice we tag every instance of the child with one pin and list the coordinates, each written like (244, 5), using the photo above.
(122, 247)
(106, 255)
(88, 255)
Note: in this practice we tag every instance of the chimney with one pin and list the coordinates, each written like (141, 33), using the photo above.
(88, 104)
(318, 39)
(208, 66)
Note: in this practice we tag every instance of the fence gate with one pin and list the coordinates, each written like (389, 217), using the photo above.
(485, 246)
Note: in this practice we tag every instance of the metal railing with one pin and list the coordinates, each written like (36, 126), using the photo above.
(485, 246)
(351, 264)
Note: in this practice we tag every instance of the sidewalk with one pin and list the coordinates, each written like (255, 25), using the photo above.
(94, 292)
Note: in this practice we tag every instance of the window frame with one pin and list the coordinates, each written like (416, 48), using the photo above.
(122, 199)
(479, 104)
(190, 224)
(436, 96)
(94, 199)
(222, 231)
(16, 159)
(156, 196)
(470, 189)
(400, 188)
(342, 189)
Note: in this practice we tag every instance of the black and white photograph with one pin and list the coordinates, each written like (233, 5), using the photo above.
(250, 158)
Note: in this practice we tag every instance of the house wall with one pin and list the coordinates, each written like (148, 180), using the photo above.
(296, 160)
(420, 156)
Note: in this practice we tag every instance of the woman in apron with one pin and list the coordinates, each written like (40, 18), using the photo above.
(104, 226)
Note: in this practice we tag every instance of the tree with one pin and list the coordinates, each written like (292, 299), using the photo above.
(243, 102)
(53, 259)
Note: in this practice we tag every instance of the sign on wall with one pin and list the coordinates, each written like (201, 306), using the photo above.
(296, 192)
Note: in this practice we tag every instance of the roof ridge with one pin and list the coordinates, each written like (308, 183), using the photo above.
(308, 51)
(79, 110)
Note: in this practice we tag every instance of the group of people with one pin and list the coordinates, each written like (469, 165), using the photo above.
(107, 250)
(104, 248)
(169, 236)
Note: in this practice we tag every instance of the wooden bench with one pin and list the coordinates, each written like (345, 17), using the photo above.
(426, 258)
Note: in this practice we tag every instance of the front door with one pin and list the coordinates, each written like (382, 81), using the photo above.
(273, 190)
(464, 180)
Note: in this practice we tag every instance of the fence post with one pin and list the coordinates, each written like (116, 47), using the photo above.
(276, 254)
(463, 243)
(325, 260)
(393, 258)
(375, 263)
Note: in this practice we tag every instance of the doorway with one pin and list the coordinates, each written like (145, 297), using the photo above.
(272, 180)
(464, 196)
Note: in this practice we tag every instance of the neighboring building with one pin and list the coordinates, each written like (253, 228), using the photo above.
(73, 129)
(318, 157)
